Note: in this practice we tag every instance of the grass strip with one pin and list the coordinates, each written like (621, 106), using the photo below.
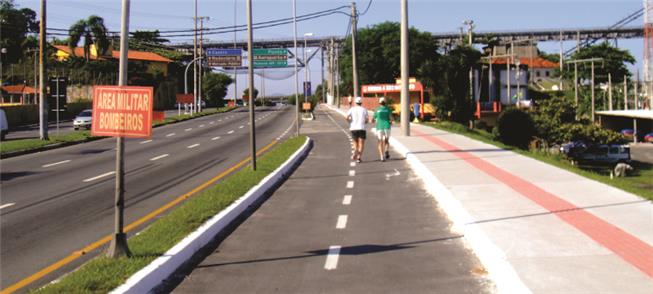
(638, 183)
(103, 274)
(12, 146)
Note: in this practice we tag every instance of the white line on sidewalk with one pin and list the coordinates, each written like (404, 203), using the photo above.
(6, 205)
(193, 146)
(352, 173)
(342, 222)
(170, 135)
(56, 163)
(99, 177)
(145, 142)
(350, 184)
(230, 132)
(188, 129)
(332, 258)
(159, 157)
(215, 138)
(346, 200)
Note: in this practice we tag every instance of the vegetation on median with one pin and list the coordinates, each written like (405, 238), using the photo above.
(638, 183)
(103, 274)
(11, 146)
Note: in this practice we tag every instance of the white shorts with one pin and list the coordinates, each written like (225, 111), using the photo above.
(383, 134)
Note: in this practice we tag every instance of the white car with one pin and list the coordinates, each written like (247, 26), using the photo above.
(83, 120)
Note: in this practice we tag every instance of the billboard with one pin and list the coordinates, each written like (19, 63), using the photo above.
(122, 111)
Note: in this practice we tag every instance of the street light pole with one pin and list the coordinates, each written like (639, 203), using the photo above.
(43, 101)
(405, 94)
(354, 23)
(235, 68)
(118, 246)
(250, 82)
(186, 74)
(307, 74)
(294, 21)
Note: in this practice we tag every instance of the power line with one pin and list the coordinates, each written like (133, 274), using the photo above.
(367, 8)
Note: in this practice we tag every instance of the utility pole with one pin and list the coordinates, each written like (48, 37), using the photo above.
(470, 28)
(199, 88)
(590, 60)
(118, 246)
(322, 74)
(193, 108)
(576, 71)
(592, 91)
(609, 91)
(235, 67)
(338, 75)
(636, 90)
(509, 89)
(43, 100)
(354, 23)
(250, 82)
(294, 21)
(625, 92)
(562, 58)
(405, 94)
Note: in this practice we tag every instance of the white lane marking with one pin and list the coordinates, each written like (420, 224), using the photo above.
(342, 222)
(396, 173)
(6, 205)
(230, 132)
(188, 129)
(170, 135)
(211, 122)
(159, 157)
(201, 126)
(99, 177)
(56, 163)
(346, 200)
(352, 173)
(332, 258)
(220, 120)
(352, 164)
(145, 142)
(350, 184)
(241, 127)
(215, 138)
(193, 146)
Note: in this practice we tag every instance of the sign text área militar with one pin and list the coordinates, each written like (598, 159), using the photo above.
(122, 111)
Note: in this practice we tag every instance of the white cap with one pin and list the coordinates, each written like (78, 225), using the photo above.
(382, 100)
(358, 100)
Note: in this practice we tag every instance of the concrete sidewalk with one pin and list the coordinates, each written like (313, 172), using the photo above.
(535, 227)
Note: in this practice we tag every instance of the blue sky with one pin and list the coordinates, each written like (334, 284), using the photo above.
(426, 15)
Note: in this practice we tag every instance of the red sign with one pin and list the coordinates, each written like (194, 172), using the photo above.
(122, 111)
(185, 98)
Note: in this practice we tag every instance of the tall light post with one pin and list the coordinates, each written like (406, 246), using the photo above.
(43, 100)
(186, 73)
(405, 94)
(294, 21)
(470, 28)
(235, 45)
(250, 83)
(307, 74)
(354, 33)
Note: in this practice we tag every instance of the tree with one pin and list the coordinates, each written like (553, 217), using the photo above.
(16, 25)
(378, 54)
(93, 31)
(214, 87)
(151, 37)
(246, 93)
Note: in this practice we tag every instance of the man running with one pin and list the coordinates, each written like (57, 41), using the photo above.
(357, 117)
(383, 118)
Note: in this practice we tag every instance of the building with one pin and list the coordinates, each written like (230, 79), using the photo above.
(18, 95)
(155, 63)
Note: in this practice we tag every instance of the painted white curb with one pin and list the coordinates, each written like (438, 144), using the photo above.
(145, 280)
(493, 259)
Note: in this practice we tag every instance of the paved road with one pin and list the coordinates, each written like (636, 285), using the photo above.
(66, 126)
(57, 202)
(392, 237)
(642, 152)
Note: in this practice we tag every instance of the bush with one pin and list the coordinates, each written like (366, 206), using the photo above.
(515, 127)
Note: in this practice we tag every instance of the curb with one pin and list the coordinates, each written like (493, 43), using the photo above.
(493, 259)
(151, 276)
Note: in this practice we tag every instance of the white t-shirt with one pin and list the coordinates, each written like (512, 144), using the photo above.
(358, 116)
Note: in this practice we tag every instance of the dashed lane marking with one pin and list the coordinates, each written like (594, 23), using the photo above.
(159, 157)
(342, 222)
(56, 163)
(346, 200)
(332, 258)
(193, 146)
(211, 122)
(241, 127)
(145, 142)
(201, 126)
(170, 135)
(352, 164)
(352, 173)
(99, 177)
(6, 205)
(215, 138)
(230, 132)
(350, 184)
(188, 129)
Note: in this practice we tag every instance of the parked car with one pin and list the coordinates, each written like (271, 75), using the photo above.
(598, 155)
(83, 120)
(648, 137)
(628, 133)
(4, 125)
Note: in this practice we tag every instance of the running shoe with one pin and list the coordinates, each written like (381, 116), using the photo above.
(387, 155)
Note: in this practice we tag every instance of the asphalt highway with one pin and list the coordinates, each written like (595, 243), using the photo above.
(56, 202)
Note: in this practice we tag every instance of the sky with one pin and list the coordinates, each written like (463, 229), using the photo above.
(436, 16)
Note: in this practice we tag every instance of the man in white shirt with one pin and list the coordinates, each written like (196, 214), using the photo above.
(357, 117)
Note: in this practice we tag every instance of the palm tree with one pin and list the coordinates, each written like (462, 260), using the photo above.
(93, 31)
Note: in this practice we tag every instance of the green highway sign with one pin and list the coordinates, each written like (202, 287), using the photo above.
(270, 57)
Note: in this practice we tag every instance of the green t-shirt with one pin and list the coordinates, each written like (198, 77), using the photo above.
(382, 117)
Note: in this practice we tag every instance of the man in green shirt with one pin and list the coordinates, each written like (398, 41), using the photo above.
(383, 119)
